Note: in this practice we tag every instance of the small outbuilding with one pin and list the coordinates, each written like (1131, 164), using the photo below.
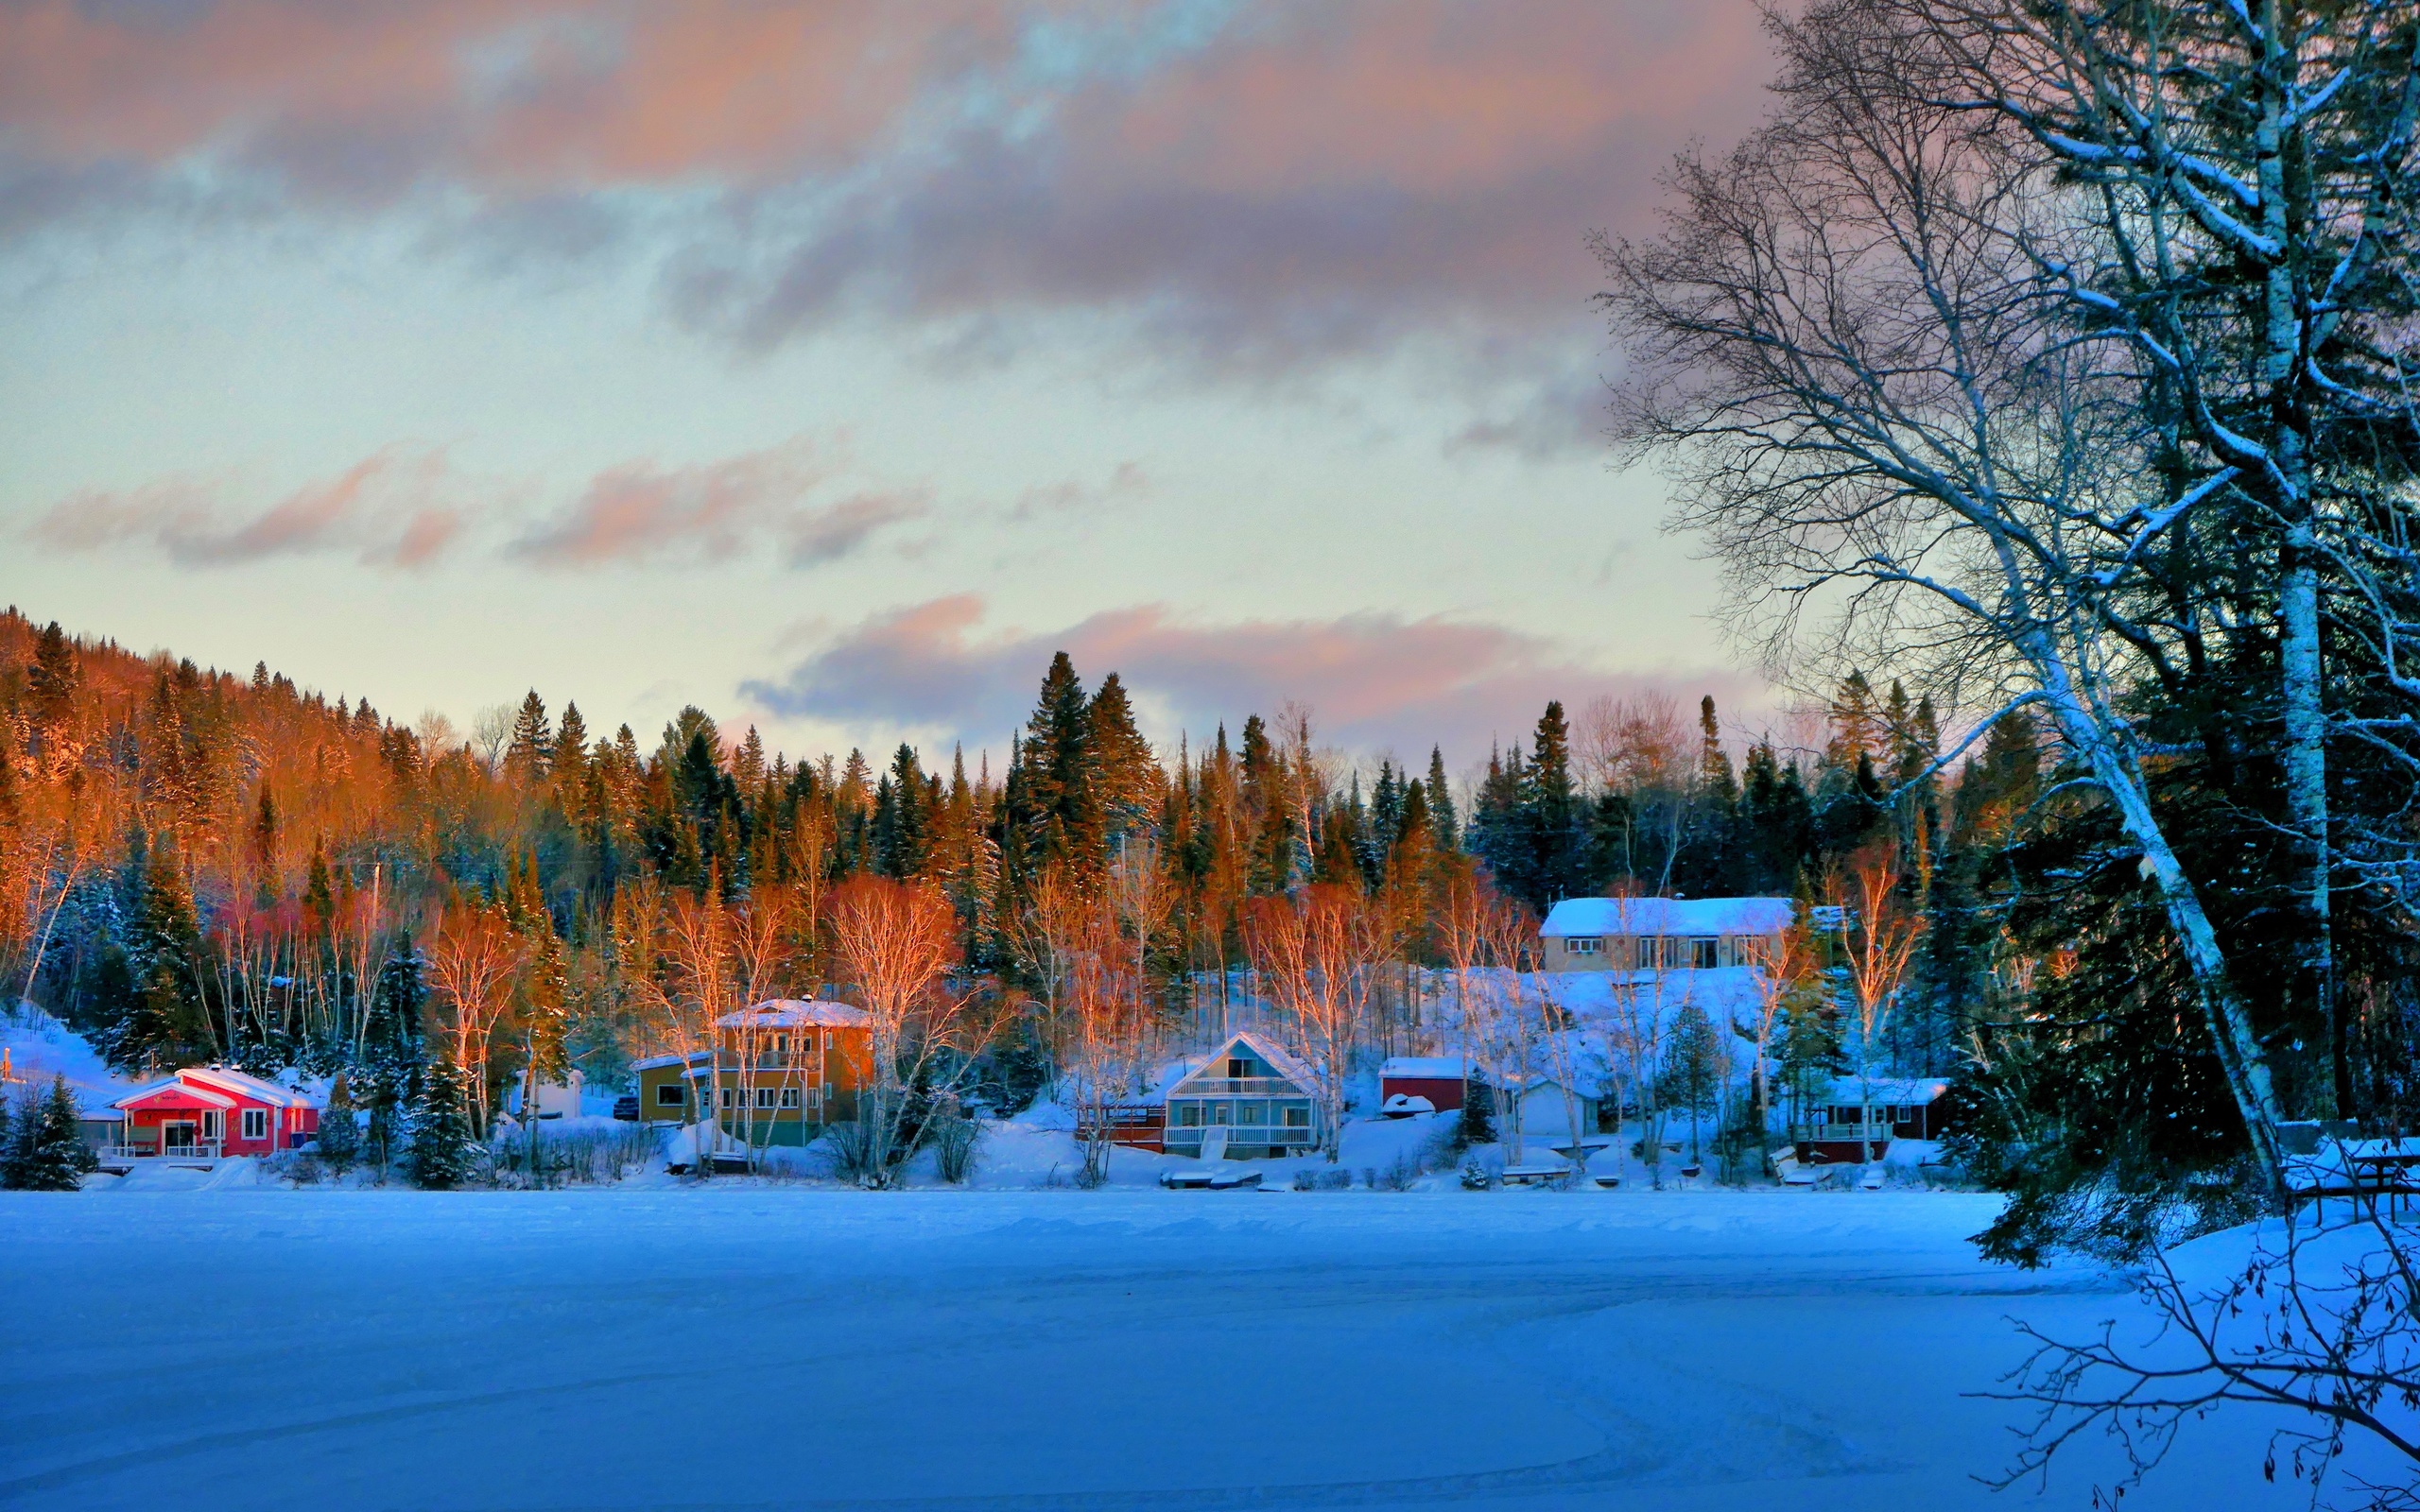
(1443, 1080)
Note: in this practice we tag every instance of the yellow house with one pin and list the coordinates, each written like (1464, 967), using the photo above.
(778, 1072)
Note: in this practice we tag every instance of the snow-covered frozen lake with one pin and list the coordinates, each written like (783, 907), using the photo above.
(754, 1346)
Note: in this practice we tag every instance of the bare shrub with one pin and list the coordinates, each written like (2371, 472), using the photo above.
(955, 1139)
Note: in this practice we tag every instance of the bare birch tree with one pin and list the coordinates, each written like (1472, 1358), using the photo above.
(1843, 348)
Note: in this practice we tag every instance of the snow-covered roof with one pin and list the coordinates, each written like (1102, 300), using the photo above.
(243, 1085)
(1586, 917)
(1428, 1068)
(797, 1013)
(659, 1062)
(182, 1088)
(1281, 1060)
(1887, 1090)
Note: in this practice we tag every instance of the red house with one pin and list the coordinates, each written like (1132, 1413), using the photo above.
(1439, 1078)
(204, 1113)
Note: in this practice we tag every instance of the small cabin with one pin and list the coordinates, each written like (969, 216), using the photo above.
(1660, 934)
(1443, 1080)
(203, 1113)
(1836, 1129)
(1263, 1100)
(777, 1074)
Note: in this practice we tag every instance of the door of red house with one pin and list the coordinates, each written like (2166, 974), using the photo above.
(176, 1137)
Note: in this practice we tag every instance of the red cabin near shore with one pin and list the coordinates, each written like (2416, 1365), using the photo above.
(206, 1112)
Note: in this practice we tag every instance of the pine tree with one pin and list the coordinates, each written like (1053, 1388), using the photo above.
(1126, 774)
(339, 1139)
(440, 1153)
(319, 890)
(1478, 1123)
(533, 741)
(1692, 1069)
(1061, 813)
(45, 1148)
(568, 767)
(1441, 804)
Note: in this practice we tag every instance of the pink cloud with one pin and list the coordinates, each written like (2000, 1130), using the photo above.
(355, 101)
(1378, 681)
(1302, 181)
(646, 512)
(356, 510)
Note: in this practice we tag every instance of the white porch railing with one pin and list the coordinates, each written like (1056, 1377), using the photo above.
(1843, 1133)
(1238, 1086)
(1175, 1140)
(203, 1150)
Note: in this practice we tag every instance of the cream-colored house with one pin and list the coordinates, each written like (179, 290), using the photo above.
(1657, 933)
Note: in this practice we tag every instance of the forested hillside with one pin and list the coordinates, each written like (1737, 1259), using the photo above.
(202, 864)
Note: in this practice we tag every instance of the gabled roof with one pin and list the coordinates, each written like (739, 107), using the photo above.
(207, 1097)
(796, 1013)
(1281, 1060)
(1848, 1091)
(1585, 916)
(244, 1086)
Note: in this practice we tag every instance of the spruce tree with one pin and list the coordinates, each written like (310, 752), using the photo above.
(1477, 1124)
(440, 1153)
(339, 1138)
(1441, 804)
(1126, 774)
(533, 746)
(46, 1150)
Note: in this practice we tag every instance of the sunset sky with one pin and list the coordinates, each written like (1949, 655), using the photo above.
(830, 366)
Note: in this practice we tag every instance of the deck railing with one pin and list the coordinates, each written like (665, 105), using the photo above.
(1187, 1139)
(1843, 1133)
(1239, 1087)
(204, 1150)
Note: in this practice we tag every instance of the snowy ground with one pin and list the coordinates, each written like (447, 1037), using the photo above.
(743, 1346)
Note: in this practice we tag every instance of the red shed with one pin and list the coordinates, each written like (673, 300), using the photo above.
(204, 1112)
(1439, 1078)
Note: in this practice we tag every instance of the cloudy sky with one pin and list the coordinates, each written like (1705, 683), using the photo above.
(830, 365)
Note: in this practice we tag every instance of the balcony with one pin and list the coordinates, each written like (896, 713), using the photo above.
(1238, 1086)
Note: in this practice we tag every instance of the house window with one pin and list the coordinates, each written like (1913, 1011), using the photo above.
(727, 1096)
(1222, 1113)
(1254, 1115)
(667, 1095)
(1702, 953)
(1583, 946)
(214, 1124)
(1647, 945)
(1298, 1116)
(1188, 1115)
(789, 1097)
(1237, 1068)
(256, 1122)
(764, 1097)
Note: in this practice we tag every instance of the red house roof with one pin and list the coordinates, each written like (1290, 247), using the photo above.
(214, 1087)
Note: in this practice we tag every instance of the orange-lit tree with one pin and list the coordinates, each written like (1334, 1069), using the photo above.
(895, 941)
(1317, 955)
(1881, 943)
(473, 954)
(1783, 970)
